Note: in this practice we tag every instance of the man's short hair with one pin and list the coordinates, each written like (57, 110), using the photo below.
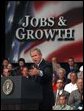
(62, 69)
(63, 95)
(6, 59)
(71, 58)
(36, 49)
(60, 80)
(21, 59)
(79, 79)
(73, 72)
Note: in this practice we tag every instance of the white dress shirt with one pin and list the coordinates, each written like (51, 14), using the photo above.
(70, 87)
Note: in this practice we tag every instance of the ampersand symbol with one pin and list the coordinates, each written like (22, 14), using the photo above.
(62, 21)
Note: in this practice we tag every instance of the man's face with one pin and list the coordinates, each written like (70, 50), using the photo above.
(62, 100)
(80, 84)
(73, 77)
(36, 57)
(60, 85)
(25, 71)
(9, 67)
(71, 62)
(5, 63)
(21, 63)
(5, 72)
(61, 74)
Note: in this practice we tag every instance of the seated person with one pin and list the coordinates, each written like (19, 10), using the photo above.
(62, 104)
(76, 97)
(11, 70)
(71, 66)
(5, 72)
(25, 72)
(80, 106)
(62, 75)
(72, 85)
(59, 91)
(4, 64)
(21, 64)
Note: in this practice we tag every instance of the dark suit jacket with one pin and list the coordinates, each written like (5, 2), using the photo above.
(68, 70)
(46, 82)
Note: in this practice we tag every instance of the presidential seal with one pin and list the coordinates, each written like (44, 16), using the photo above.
(7, 87)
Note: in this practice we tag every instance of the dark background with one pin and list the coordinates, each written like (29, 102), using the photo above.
(2, 30)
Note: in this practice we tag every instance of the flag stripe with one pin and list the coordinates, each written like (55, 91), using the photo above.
(57, 8)
(67, 51)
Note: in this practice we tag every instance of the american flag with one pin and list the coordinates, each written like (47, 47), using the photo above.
(73, 12)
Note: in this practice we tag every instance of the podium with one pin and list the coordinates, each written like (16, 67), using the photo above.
(19, 93)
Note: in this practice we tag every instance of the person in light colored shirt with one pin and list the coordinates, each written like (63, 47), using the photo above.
(72, 85)
(62, 104)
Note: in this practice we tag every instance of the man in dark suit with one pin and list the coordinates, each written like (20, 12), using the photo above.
(44, 76)
(71, 66)
(59, 91)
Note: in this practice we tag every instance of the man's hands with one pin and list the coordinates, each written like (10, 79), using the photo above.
(34, 71)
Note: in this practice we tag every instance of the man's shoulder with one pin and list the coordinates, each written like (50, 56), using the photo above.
(56, 107)
(75, 92)
(66, 93)
(69, 107)
(45, 63)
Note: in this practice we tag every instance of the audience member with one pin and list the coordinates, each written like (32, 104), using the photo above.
(54, 80)
(62, 75)
(76, 96)
(25, 72)
(59, 91)
(72, 85)
(5, 72)
(71, 66)
(11, 70)
(62, 104)
(80, 73)
(21, 63)
(4, 64)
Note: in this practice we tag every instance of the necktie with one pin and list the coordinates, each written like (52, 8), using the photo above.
(57, 96)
